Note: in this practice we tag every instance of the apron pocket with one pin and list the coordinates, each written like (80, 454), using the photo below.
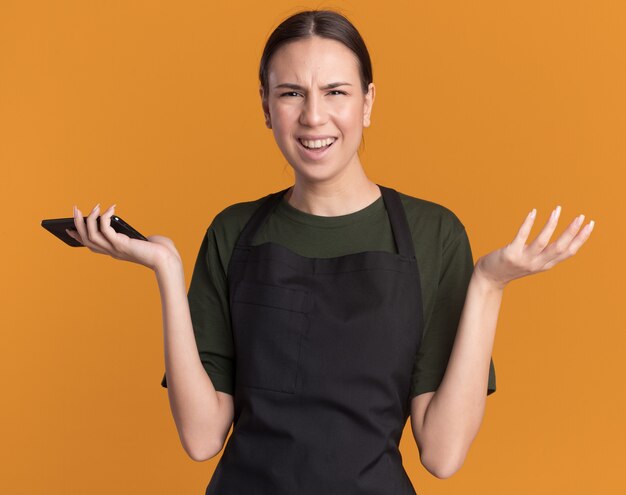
(268, 323)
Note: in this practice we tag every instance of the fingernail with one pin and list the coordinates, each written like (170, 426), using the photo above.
(95, 207)
(74, 209)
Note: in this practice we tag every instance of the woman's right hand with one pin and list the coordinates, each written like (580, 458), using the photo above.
(118, 245)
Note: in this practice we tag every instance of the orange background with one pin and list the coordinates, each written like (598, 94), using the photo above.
(490, 108)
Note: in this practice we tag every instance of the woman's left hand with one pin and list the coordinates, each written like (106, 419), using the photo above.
(517, 259)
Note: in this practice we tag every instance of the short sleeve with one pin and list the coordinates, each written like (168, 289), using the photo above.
(210, 315)
(457, 266)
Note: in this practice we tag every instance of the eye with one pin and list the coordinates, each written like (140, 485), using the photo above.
(296, 93)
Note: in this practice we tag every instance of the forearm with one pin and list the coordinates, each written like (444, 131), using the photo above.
(455, 412)
(193, 400)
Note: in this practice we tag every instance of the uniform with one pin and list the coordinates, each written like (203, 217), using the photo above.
(330, 347)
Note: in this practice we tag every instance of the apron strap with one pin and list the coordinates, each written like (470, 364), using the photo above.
(399, 222)
(256, 220)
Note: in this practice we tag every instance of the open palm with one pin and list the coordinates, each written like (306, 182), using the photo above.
(518, 259)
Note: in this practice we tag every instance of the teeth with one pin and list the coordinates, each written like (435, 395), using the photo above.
(318, 143)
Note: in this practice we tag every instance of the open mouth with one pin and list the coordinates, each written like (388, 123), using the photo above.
(318, 147)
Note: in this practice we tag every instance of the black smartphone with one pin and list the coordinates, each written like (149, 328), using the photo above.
(57, 227)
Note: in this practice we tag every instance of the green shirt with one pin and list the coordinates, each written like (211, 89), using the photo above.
(443, 255)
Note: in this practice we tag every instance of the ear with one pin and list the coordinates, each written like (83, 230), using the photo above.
(368, 103)
(266, 109)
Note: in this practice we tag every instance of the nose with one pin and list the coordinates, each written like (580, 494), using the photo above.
(313, 113)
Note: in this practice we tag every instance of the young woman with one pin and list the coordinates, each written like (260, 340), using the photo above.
(320, 317)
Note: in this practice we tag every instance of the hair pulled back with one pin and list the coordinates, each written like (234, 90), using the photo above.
(325, 24)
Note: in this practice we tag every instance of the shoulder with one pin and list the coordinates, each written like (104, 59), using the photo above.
(431, 219)
(223, 232)
(231, 220)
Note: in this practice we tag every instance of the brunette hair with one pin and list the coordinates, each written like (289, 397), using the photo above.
(326, 24)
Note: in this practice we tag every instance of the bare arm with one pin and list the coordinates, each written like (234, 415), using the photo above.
(445, 422)
(203, 416)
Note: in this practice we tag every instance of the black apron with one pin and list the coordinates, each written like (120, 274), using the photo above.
(324, 348)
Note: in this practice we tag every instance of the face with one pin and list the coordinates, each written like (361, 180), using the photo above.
(303, 103)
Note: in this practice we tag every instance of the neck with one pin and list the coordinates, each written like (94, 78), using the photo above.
(335, 197)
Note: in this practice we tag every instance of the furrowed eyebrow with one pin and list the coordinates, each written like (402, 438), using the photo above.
(297, 86)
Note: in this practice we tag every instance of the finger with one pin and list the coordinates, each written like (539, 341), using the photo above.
(541, 241)
(559, 247)
(74, 235)
(524, 231)
(79, 223)
(109, 232)
(574, 245)
(81, 228)
(95, 237)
